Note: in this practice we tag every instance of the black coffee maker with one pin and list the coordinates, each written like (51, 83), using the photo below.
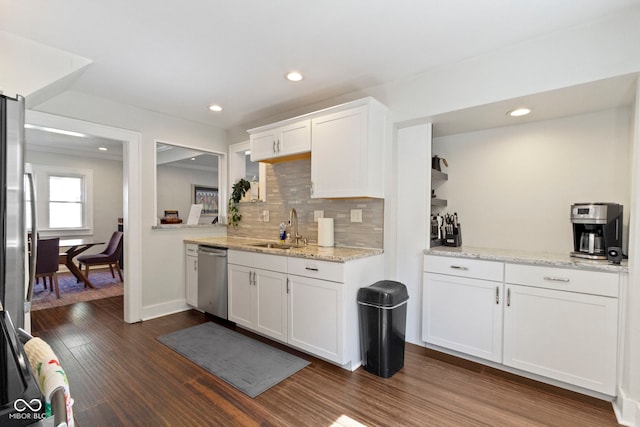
(596, 228)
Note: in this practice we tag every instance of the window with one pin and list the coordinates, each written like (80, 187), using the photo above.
(66, 205)
(64, 200)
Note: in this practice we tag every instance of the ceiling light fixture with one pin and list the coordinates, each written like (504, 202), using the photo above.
(103, 149)
(193, 158)
(215, 107)
(294, 76)
(518, 112)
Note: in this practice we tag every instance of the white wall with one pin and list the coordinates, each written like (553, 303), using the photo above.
(174, 191)
(107, 189)
(413, 182)
(512, 187)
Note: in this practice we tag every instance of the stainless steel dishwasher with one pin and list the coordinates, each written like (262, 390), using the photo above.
(212, 280)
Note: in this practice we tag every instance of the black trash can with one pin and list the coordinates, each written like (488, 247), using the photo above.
(382, 310)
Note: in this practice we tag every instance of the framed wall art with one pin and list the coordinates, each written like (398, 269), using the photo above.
(207, 197)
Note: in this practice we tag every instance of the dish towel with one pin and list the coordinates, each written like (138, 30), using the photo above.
(50, 374)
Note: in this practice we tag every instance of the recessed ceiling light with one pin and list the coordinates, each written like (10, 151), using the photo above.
(294, 76)
(103, 149)
(215, 107)
(519, 112)
(193, 158)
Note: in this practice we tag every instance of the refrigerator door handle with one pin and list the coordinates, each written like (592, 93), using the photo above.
(34, 240)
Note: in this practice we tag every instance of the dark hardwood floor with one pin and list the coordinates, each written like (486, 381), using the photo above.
(121, 375)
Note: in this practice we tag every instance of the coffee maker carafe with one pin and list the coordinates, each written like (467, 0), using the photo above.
(596, 227)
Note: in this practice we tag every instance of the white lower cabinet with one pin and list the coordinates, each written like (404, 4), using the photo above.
(258, 300)
(191, 274)
(306, 303)
(553, 322)
(463, 314)
(316, 316)
(568, 336)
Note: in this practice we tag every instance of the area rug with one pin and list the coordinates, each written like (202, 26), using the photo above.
(249, 365)
(72, 292)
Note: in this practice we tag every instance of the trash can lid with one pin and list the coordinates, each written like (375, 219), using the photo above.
(385, 293)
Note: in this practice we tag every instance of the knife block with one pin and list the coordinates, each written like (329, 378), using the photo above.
(455, 238)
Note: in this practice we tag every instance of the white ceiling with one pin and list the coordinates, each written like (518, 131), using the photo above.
(178, 58)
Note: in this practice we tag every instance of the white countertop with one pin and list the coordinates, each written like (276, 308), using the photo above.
(334, 254)
(548, 259)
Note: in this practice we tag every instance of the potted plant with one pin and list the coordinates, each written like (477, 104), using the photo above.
(239, 189)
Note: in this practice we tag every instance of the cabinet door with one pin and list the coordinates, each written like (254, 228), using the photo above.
(567, 336)
(316, 318)
(463, 314)
(263, 145)
(191, 280)
(271, 304)
(337, 161)
(294, 138)
(241, 291)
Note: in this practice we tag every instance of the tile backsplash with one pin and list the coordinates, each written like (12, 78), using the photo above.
(289, 186)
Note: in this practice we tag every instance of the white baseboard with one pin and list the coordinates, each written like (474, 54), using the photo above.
(158, 310)
(626, 409)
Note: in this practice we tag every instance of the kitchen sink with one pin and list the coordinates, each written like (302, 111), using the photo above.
(273, 245)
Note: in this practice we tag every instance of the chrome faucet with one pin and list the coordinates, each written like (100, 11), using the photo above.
(293, 223)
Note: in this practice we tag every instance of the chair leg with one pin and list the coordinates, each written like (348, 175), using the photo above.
(117, 264)
(54, 277)
(113, 275)
(86, 273)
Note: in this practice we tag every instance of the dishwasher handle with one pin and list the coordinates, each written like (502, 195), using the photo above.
(220, 253)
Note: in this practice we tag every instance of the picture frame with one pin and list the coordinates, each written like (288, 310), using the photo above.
(171, 214)
(207, 197)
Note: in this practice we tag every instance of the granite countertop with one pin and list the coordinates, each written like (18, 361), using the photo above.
(547, 259)
(334, 254)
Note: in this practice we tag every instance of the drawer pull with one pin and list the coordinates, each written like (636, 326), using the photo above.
(508, 297)
(497, 294)
(459, 267)
(556, 279)
(311, 268)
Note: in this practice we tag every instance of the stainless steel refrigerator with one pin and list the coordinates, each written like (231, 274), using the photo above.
(16, 278)
(18, 386)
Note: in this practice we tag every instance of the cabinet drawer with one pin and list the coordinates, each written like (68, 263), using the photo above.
(464, 267)
(324, 270)
(565, 279)
(257, 260)
(191, 249)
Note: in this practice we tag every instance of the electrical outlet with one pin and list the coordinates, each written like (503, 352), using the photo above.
(317, 214)
(356, 215)
(265, 216)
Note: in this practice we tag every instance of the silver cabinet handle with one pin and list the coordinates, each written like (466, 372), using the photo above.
(255, 279)
(273, 147)
(311, 268)
(278, 146)
(459, 267)
(556, 279)
(508, 297)
(497, 294)
(287, 285)
(195, 265)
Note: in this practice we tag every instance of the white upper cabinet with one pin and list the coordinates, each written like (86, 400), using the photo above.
(278, 142)
(347, 151)
(346, 142)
